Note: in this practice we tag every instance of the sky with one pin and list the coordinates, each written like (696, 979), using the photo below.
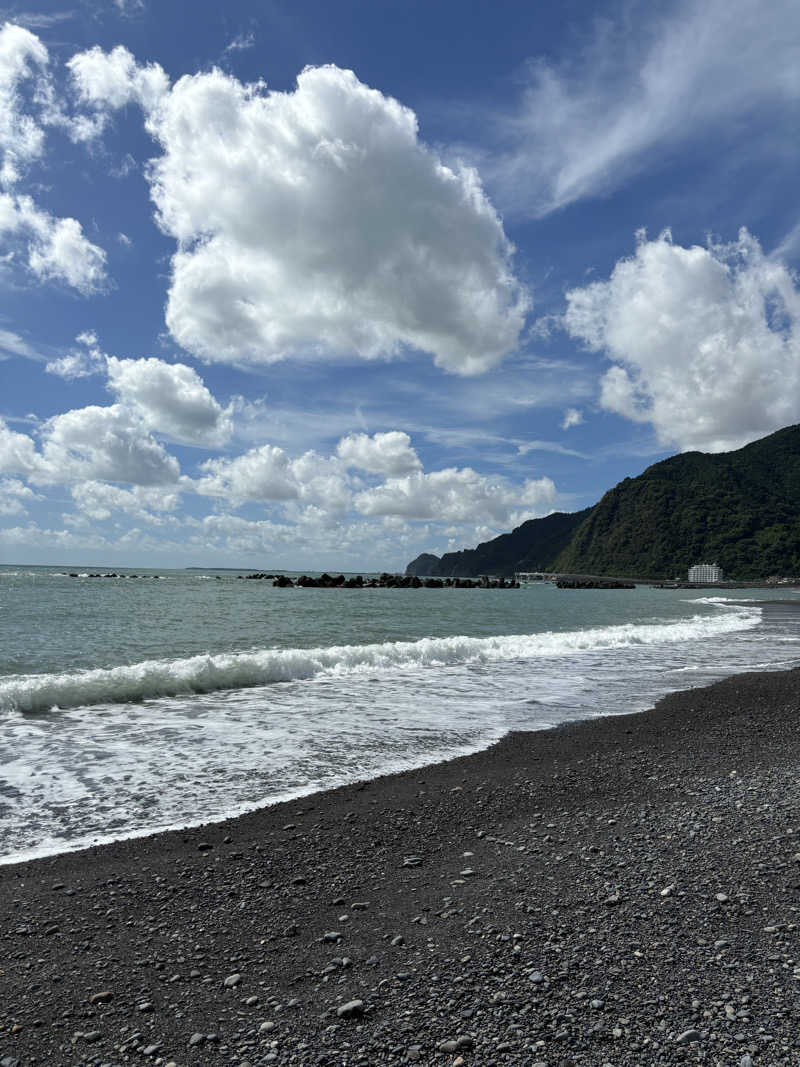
(324, 285)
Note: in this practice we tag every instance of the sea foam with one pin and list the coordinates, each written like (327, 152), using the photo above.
(136, 682)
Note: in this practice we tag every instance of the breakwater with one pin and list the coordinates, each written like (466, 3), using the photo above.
(383, 581)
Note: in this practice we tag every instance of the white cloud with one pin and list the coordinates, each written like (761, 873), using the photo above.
(106, 444)
(129, 8)
(383, 453)
(705, 342)
(241, 42)
(106, 81)
(53, 248)
(81, 362)
(314, 223)
(23, 60)
(11, 344)
(98, 501)
(458, 495)
(170, 398)
(624, 102)
(261, 474)
(102, 443)
(18, 453)
(572, 417)
(14, 495)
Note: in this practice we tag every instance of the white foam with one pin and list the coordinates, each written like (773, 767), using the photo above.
(137, 682)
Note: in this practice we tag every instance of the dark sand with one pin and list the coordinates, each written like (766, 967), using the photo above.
(622, 891)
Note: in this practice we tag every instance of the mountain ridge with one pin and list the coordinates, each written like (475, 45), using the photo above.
(740, 509)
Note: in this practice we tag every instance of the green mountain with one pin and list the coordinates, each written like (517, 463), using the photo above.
(740, 509)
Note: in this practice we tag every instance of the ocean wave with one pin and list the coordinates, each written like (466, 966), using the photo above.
(208, 673)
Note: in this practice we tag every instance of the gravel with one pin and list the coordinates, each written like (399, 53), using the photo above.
(632, 898)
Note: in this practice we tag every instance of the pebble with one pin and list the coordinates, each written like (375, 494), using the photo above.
(351, 1008)
(232, 980)
(686, 1036)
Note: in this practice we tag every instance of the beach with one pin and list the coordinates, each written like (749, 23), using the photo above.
(622, 891)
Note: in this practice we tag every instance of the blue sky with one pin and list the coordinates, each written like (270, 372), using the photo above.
(320, 285)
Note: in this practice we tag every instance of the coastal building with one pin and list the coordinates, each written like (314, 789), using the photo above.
(705, 573)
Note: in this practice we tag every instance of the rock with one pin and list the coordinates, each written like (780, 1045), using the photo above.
(687, 1036)
(197, 1039)
(266, 1027)
(350, 1009)
(232, 980)
(101, 998)
(204, 846)
(145, 1007)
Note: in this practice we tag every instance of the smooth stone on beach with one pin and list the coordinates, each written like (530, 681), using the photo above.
(686, 1036)
(351, 1008)
(232, 980)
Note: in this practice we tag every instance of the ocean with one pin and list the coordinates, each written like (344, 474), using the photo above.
(174, 698)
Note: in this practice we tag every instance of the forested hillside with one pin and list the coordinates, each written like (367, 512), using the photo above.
(740, 509)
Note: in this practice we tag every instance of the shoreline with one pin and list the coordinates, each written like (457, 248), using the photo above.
(624, 890)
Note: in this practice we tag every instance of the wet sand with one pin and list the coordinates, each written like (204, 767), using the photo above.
(623, 891)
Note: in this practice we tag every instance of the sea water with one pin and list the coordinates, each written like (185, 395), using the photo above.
(131, 704)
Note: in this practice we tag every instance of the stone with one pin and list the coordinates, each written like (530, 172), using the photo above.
(232, 980)
(350, 1009)
(101, 998)
(687, 1036)
(197, 1039)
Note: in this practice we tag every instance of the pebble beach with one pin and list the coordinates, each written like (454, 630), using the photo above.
(620, 891)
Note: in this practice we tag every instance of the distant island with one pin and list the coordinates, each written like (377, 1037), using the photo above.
(740, 509)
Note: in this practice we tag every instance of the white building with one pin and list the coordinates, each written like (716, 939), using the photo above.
(705, 573)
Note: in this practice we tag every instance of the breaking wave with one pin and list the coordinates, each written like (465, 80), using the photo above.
(151, 679)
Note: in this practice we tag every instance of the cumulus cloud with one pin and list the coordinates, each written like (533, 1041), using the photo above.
(383, 453)
(82, 362)
(705, 342)
(458, 495)
(98, 501)
(106, 81)
(14, 495)
(170, 398)
(314, 222)
(261, 474)
(23, 61)
(50, 248)
(622, 103)
(102, 443)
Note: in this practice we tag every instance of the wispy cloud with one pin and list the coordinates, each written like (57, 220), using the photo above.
(11, 344)
(621, 103)
(35, 20)
(241, 42)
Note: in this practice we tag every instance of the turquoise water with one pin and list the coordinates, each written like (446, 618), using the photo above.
(175, 697)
